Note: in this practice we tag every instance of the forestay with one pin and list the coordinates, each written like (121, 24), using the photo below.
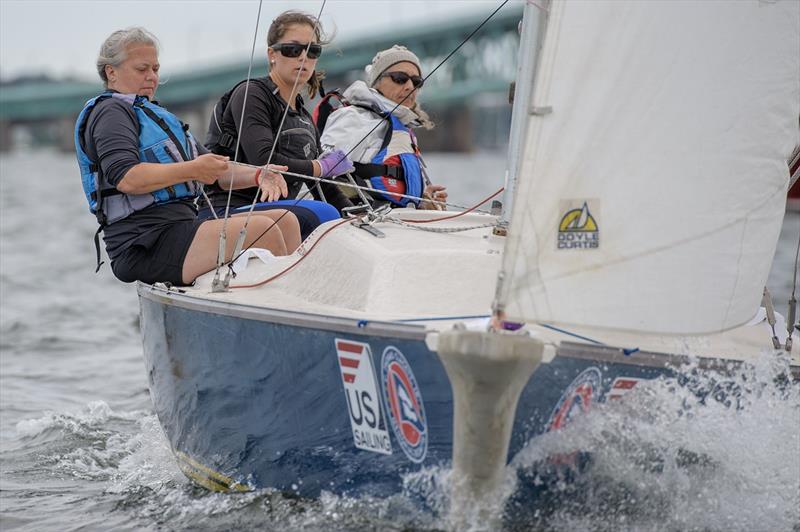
(651, 197)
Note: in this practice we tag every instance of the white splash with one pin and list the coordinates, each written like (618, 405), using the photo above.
(663, 458)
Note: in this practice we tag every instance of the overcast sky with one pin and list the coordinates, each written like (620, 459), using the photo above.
(62, 37)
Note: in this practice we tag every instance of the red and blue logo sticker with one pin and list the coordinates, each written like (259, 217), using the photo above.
(403, 402)
(577, 399)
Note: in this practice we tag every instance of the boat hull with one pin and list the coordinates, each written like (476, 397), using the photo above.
(253, 398)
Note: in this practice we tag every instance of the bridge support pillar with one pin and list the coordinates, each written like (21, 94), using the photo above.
(454, 130)
(6, 137)
(65, 134)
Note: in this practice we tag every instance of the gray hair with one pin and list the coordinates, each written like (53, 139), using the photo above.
(113, 50)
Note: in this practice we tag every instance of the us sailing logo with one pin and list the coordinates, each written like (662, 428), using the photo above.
(404, 404)
(367, 421)
(577, 399)
(578, 228)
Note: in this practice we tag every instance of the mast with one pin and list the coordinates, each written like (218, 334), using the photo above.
(534, 22)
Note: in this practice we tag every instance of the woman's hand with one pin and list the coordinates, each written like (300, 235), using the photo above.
(272, 184)
(209, 167)
(434, 193)
(334, 163)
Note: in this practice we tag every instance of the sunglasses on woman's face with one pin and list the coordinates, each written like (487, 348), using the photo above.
(294, 49)
(401, 78)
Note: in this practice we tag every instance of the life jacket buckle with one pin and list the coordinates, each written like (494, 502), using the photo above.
(226, 140)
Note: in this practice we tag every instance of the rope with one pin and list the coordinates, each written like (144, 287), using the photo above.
(295, 263)
(473, 208)
(403, 223)
(369, 189)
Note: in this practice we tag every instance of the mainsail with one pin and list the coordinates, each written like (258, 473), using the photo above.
(651, 197)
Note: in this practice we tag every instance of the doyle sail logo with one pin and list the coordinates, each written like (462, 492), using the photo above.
(404, 404)
(367, 420)
(578, 227)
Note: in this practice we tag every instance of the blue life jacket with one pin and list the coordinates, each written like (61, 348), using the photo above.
(401, 157)
(162, 139)
(396, 168)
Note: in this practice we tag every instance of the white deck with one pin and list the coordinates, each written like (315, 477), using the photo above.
(427, 277)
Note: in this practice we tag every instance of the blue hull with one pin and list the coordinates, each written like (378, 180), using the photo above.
(254, 398)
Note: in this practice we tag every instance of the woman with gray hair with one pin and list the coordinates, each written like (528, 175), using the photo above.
(376, 126)
(141, 170)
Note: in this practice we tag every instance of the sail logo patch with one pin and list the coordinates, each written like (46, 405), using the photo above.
(578, 228)
(367, 419)
(621, 386)
(576, 399)
(403, 402)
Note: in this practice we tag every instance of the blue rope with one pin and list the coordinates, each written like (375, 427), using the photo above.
(562, 331)
(625, 351)
(446, 318)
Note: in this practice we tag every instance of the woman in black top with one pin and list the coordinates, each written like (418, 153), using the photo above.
(294, 45)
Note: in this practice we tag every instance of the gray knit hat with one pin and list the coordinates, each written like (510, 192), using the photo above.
(387, 58)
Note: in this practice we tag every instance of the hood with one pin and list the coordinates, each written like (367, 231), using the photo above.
(359, 93)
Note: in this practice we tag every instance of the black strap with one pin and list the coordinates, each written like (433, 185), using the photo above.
(96, 196)
(97, 247)
(226, 140)
(163, 125)
(367, 170)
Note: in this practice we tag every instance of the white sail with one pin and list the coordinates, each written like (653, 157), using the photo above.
(651, 197)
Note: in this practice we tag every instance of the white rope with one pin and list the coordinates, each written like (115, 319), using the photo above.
(367, 189)
(419, 227)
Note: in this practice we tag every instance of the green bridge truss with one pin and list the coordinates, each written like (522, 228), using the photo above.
(485, 64)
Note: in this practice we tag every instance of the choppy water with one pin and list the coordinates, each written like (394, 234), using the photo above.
(80, 448)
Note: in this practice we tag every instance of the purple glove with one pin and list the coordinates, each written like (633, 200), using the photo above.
(335, 163)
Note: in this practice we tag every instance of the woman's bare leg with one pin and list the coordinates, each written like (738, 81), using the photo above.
(288, 225)
(202, 254)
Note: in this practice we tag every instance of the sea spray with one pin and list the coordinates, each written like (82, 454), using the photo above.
(703, 450)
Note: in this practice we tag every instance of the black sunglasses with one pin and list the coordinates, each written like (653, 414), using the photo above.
(401, 78)
(294, 49)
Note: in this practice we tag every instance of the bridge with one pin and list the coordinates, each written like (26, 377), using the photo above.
(470, 87)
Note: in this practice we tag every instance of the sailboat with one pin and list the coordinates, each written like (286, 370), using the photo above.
(646, 186)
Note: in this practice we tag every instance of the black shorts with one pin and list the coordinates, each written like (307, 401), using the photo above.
(160, 261)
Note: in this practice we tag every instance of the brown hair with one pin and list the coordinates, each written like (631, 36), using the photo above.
(278, 29)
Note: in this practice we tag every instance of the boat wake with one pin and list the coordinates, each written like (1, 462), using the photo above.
(699, 451)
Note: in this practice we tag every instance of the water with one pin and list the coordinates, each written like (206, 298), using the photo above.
(80, 448)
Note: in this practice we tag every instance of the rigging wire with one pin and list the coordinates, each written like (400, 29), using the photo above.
(369, 189)
(791, 318)
(463, 42)
(237, 251)
(222, 245)
(442, 62)
(285, 113)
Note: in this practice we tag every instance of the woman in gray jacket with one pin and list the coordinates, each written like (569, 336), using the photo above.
(376, 130)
